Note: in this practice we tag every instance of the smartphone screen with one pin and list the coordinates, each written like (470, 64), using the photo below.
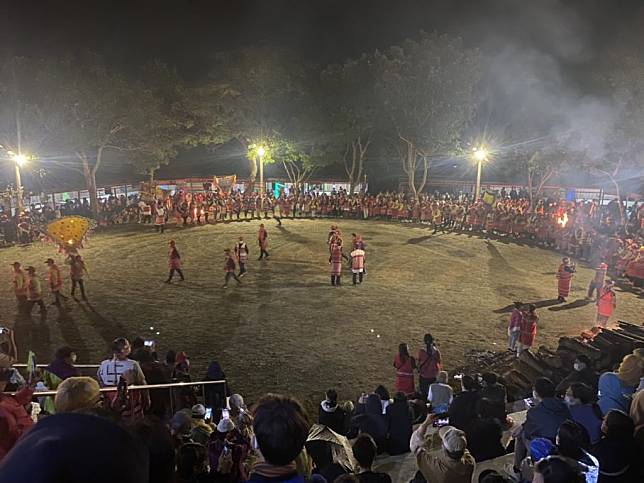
(529, 402)
(148, 343)
(208, 413)
(441, 422)
(225, 414)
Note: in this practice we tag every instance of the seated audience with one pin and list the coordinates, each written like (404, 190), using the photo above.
(365, 451)
(452, 463)
(637, 415)
(385, 398)
(484, 433)
(370, 420)
(617, 388)
(227, 452)
(463, 407)
(399, 425)
(573, 442)
(584, 410)
(494, 391)
(332, 415)
(440, 394)
(76, 448)
(616, 449)
(192, 464)
(61, 368)
(540, 448)
(556, 469)
(281, 429)
(582, 371)
(75, 393)
(542, 420)
(322, 454)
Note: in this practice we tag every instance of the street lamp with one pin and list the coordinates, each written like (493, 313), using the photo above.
(261, 152)
(19, 160)
(479, 154)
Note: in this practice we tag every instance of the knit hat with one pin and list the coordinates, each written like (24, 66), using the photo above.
(540, 448)
(76, 393)
(630, 370)
(225, 425)
(198, 410)
(454, 439)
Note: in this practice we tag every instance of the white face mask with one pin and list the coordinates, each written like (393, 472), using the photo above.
(578, 366)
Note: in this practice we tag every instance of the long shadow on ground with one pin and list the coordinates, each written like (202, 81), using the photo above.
(572, 305)
(108, 329)
(539, 304)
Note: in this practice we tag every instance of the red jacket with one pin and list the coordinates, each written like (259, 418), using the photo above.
(14, 419)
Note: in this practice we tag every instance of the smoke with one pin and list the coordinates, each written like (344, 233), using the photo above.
(532, 83)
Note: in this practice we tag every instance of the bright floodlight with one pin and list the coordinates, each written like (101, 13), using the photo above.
(480, 154)
(261, 151)
(20, 159)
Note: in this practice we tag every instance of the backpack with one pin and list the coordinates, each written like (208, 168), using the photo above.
(225, 462)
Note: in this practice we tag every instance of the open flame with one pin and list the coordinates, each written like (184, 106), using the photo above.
(563, 220)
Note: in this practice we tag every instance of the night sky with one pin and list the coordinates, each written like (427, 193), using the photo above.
(518, 37)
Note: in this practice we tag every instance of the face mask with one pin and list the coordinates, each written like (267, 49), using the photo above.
(578, 366)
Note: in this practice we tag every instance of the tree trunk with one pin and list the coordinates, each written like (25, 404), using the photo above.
(252, 163)
(152, 170)
(90, 183)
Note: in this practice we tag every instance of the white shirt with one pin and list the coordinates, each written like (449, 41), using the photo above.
(111, 370)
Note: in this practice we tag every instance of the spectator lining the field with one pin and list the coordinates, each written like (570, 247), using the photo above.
(364, 451)
(440, 394)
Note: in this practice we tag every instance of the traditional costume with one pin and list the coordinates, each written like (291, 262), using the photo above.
(241, 252)
(335, 259)
(262, 241)
(174, 262)
(564, 278)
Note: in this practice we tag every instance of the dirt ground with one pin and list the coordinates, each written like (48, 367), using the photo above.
(287, 329)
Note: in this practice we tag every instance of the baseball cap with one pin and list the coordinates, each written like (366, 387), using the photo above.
(454, 439)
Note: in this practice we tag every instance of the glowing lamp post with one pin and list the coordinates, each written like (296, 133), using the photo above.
(19, 160)
(260, 153)
(479, 154)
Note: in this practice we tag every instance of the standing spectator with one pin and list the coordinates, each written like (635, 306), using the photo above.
(399, 425)
(495, 392)
(331, 414)
(616, 389)
(616, 450)
(451, 464)
(542, 420)
(61, 368)
(528, 328)
(429, 364)
(155, 373)
(365, 451)
(215, 393)
(606, 303)
(281, 429)
(564, 277)
(192, 464)
(201, 429)
(514, 327)
(405, 366)
(584, 410)
(573, 442)
(440, 394)
(463, 407)
(14, 419)
(34, 292)
(582, 372)
(111, 370)
(229, 268)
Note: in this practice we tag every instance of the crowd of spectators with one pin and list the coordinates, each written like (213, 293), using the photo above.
(588, 427)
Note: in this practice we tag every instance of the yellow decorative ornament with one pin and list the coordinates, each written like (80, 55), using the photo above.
(69, 231)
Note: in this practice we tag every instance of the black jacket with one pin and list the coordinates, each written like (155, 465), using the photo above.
(399, 427)
(463, 409)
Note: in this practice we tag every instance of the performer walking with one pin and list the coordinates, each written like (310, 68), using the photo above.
(357, 265)
(19, 285)
(55, 281)
(34, 292)
(262, 240)
(241, 252)
(606, 303)
(229, 268)
(597, 282)
(77, 270)
(174, 262)
(564, 277)
(335, 259)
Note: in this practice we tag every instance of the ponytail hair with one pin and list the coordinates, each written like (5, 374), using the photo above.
(429, 344)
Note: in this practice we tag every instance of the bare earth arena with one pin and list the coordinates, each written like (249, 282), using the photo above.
(286, 329)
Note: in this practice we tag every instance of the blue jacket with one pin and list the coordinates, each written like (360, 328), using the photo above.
(543, 420)
(587, 416)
